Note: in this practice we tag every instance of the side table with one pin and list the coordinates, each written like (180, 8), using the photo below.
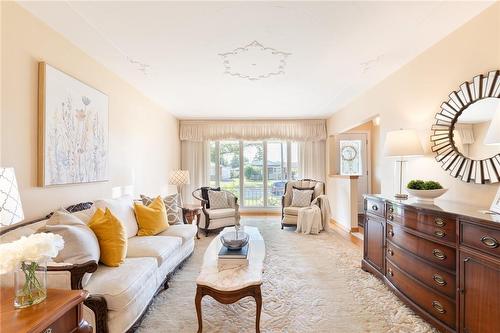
(189, 212)
(60, 312)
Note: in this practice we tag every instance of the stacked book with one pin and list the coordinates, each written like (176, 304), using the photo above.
(232, 258)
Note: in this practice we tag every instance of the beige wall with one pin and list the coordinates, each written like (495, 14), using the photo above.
(143, 138)
(411, 97)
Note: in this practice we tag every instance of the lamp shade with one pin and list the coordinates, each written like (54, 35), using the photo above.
(11, 210)
(402, 143)
(179, 177)
(493, 135)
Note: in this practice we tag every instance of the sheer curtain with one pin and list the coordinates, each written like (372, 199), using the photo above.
(312, 159)
(195, 157)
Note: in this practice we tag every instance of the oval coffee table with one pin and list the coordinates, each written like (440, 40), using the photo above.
(230, 285)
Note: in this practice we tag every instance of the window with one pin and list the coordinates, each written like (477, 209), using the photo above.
(255, 171)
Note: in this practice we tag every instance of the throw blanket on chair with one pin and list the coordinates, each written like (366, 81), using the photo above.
(315, 218)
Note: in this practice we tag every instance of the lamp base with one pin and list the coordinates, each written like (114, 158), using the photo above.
(401, 196)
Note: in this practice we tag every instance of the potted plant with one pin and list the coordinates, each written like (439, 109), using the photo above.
(27, 258)
(425, 191)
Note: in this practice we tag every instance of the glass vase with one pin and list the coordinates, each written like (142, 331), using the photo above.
(30, 283)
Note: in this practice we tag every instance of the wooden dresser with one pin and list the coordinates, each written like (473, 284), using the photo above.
(443, 260)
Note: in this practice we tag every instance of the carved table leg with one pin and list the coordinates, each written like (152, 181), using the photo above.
(198, 217)
(258, 300)
(197, 302)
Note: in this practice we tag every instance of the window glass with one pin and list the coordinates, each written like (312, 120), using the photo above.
(294, 161)
(229, 166)
(253, 180)
(276, 172)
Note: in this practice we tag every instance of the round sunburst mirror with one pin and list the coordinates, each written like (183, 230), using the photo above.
(460, 129)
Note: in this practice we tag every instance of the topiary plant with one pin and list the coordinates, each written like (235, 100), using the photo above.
(418, 184)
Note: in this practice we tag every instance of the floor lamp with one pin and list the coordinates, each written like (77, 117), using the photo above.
(179, 178)
(402, 144)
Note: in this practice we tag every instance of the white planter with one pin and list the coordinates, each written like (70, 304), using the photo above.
(427, 196)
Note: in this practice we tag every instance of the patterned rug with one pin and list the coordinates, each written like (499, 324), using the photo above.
(312, 283)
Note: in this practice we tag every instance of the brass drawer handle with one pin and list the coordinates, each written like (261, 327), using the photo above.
(389, 271)
(489, 241)
(391, 233)
(391, 252)
(375, 207)
(439, 254)
(439, 233)
(439, 222)
(390, 209)
(438, 307)
(439, 279)
(390, 217)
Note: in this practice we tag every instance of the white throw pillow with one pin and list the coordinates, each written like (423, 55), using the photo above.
(80, 243)
(301, 198)
(218, 199)
(123, 209)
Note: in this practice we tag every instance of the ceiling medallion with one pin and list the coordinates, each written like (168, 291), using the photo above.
(254, 62)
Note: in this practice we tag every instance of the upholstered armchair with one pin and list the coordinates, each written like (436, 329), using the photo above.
(289, 213)
(217, 218)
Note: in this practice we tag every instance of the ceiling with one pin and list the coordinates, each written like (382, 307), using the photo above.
(171, 51)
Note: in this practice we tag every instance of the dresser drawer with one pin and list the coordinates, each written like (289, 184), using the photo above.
(439, 227)
(438, 306)
(441, 255)
(67, 323)
(431, 276)
(375, 207)
(481, 238)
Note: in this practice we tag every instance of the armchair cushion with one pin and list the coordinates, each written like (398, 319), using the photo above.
(218, 199)
(292, 210)
(301, 198)
(221, 213)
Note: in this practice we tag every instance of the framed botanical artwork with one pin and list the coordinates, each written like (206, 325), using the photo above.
(73, 130)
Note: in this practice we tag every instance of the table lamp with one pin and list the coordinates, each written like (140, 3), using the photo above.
(11, 210)
(402, 144)
(179, 178)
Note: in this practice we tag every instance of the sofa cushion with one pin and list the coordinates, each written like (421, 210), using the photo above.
(152, 219)
(172, 204)
(158, 247)
(301, 198)
(121, 285)
(80, 242)
(111, 235)
(221, 213)
(292, 211)
(218, 199)
(184, 231)
(123, 209)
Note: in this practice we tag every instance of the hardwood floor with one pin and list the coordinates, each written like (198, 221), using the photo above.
(346, 235)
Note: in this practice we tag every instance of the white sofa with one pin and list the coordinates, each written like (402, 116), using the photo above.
(119, 296)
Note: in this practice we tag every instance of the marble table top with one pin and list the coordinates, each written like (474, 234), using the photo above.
(234, 278)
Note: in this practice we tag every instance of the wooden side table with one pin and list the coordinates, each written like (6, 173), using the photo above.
(60, 312)
(189, 212)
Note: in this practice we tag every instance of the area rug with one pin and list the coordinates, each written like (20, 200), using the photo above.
(312, 283)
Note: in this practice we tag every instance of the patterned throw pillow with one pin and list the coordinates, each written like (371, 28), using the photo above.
(218, 199)
(301, 198)
(204, 193)
(74, 208)
(174, 212)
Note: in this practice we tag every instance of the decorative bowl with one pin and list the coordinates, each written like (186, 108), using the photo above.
(427, 196)
(234, 240)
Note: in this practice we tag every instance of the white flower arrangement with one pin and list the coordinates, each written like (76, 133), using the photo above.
(33, 248)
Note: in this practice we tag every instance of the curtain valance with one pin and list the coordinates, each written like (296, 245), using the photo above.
(295, 130)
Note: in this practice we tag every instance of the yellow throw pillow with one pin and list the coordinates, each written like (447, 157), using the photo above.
(112, 237)
(152, 219)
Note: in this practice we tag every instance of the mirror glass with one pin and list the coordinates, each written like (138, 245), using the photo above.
(471, 127)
